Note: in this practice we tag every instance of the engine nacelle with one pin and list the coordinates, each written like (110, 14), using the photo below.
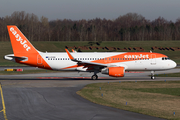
(114, 71)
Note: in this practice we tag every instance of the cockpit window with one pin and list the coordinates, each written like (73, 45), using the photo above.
(165, 58)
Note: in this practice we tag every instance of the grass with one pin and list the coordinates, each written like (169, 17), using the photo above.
(159, 99)
(168, 75)
(168, 91)
(59, 46)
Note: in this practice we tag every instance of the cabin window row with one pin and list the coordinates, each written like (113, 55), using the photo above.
(100, 59)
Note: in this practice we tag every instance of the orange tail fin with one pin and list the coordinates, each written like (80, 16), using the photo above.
(20, 44)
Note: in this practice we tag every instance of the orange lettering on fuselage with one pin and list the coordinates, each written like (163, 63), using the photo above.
(136, 56)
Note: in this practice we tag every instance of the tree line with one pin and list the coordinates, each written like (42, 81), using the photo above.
(129, 27)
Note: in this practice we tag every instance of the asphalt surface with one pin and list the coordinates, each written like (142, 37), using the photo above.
(52, 96)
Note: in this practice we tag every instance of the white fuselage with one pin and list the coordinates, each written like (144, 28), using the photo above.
(59, 61)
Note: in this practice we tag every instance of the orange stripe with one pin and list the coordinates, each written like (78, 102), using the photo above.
(74, 66)
(33, 61)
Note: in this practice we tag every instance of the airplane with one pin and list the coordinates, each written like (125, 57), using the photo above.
(113, 64)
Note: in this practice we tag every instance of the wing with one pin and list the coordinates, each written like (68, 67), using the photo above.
(91, 66)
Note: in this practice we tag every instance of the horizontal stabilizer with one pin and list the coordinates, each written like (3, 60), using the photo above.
(11, 57)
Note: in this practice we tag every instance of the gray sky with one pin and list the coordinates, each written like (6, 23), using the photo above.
(89, 9)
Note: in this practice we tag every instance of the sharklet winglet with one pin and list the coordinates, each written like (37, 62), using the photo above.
(71, 57)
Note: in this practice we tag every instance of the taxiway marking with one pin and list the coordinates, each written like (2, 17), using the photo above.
(3, 103)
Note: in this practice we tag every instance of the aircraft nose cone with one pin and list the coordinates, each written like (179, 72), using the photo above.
(173, 64)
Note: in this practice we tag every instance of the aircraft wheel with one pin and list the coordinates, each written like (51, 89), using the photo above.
(94, 77)
(152, 77)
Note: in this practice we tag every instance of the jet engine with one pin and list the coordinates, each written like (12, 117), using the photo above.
(114, 71)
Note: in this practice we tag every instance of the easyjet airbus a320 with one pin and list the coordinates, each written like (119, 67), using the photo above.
(111, 63)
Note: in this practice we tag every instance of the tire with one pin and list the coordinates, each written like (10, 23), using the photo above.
(94, 77)
(152, 77)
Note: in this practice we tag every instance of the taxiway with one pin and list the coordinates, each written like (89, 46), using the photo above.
(52, 96)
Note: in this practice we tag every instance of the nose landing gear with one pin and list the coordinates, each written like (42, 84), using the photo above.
(152, 75)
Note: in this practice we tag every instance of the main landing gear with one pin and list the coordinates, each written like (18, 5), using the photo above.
(152, 75)
(94, 77)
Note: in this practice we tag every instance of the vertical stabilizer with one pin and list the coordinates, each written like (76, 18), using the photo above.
(24, 51)
(20, 44)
